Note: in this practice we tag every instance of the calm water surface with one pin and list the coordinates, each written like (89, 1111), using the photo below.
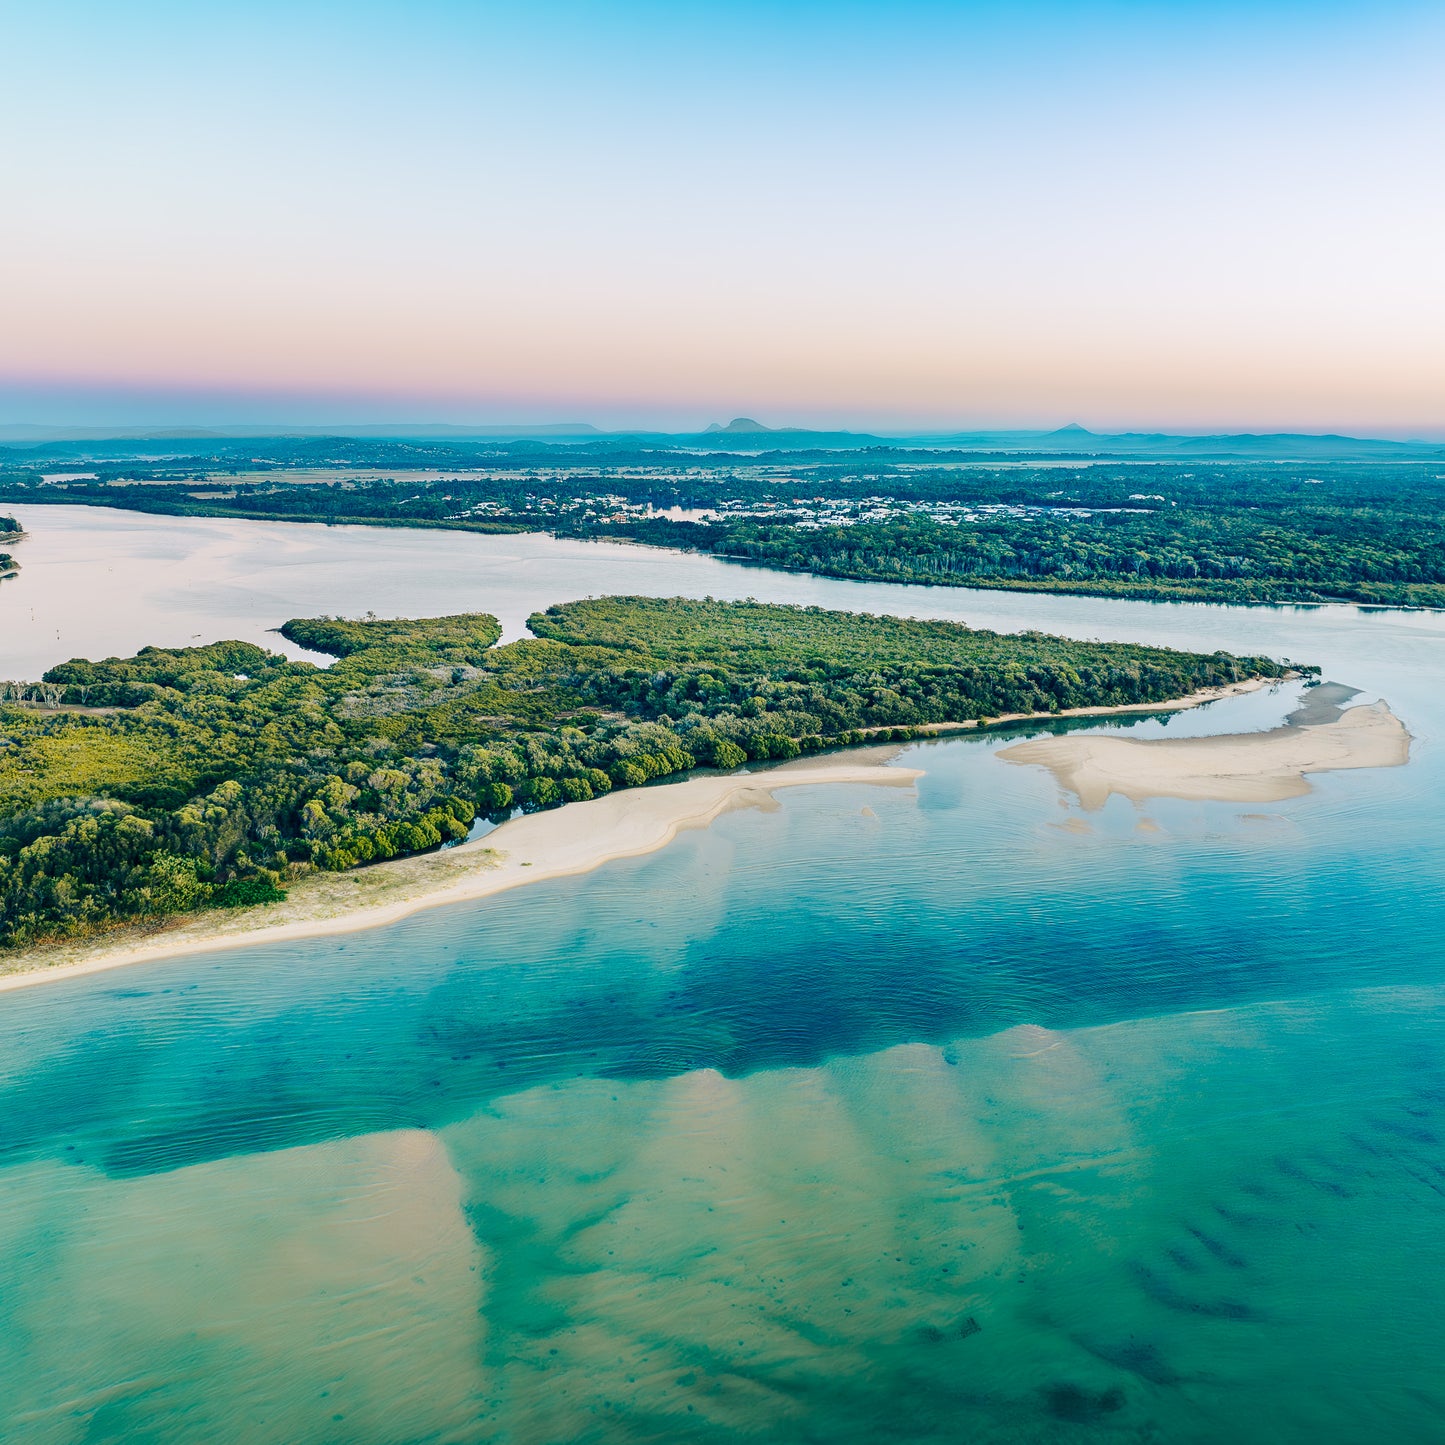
(956, 1115)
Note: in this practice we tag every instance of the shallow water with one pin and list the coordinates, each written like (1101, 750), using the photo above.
(883, 1116)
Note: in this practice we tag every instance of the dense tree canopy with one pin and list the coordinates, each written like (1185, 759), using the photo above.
(158, 783)
(1311, 554)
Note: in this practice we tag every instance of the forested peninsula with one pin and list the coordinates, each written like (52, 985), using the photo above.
(210, 776)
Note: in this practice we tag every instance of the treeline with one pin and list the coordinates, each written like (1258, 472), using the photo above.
(373, 504)
(1315, 555)
(221, 772)
(1362, 532)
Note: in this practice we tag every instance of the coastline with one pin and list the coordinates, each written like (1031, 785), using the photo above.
(557, 843)
(1178, 704)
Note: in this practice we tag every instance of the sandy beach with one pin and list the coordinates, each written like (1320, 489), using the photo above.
(529, 849)
(552, 844)
(1262, 767)
(569, 840)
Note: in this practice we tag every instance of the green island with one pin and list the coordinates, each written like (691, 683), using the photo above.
(132, 789)
(1239, 532)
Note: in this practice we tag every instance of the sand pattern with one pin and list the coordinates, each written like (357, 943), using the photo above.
(1264, 767)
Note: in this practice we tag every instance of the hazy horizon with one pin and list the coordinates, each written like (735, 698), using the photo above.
(1196, 217)
(17, 432)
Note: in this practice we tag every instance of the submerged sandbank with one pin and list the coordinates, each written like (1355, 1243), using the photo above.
(570, 840)
(1262, 767)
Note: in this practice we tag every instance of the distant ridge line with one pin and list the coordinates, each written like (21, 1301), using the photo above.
(746, 435)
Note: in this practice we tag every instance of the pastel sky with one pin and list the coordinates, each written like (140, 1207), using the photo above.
(1178, 213)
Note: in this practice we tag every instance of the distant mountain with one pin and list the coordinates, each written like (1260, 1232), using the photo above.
(1074, 440)
(1298, 446)
(752, 436)
(738, 423)
(433, 443)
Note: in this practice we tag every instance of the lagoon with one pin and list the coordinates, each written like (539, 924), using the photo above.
(888, 1115)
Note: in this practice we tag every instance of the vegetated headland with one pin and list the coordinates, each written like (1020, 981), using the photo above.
(1234, 520)
(9, 532)
(159, 784)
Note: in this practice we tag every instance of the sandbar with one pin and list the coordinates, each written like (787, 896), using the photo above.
(1263, 767)
(554, 844)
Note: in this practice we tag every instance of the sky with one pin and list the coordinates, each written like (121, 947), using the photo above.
(1192, 215)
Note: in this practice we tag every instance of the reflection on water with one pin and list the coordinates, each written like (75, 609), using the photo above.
(881, 1117)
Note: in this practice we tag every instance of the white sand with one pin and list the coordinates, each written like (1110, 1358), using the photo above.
(553, 844)
(573, 839)
(1238, 768)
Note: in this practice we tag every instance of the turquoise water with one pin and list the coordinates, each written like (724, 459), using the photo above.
(947, 1115)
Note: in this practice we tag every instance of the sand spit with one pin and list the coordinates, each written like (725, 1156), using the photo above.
(1179, 704)
(1260, 767)
(570, 840)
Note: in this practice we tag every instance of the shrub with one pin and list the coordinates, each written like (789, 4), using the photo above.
(495, 797)
(245, 892)
(727, 754)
